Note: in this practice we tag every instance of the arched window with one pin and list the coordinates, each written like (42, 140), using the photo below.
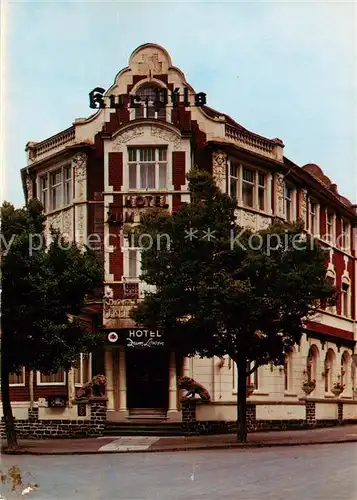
(311, 363)
(149, 95)
(345, 370)
(329, 369)
(345, 297)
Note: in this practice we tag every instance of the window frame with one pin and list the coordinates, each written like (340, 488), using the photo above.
(255, 185)
(21, 384)
(62, 384)
(138, 163)
(143, 112)
(48, 205)
(89, 360)
(346, 297)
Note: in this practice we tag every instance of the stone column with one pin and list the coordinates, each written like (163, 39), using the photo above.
(71, 387)
(122, 381)
(109, 374)
(172, 413)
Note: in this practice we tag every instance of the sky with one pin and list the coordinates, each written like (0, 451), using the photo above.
(280, 69)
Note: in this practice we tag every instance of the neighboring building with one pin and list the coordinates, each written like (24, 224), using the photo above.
(103, 170)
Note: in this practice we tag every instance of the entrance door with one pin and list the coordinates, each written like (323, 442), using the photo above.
(147, 378)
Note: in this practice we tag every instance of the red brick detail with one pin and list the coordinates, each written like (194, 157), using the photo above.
(178, 169)
(116, 170)
(138, 78)
(352, 274)
(21, 393)
(162, 78)
(176, 202)
(339, 265)
(323, 220)
(329, 330)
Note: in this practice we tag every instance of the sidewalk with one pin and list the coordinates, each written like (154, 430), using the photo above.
(128, 444)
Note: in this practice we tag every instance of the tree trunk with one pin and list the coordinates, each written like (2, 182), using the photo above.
(6, 407)
(242, 401)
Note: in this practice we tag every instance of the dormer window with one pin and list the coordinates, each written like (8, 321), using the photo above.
(149, 96)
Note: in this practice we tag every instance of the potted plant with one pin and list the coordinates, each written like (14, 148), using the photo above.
(337, 388)
(308, 386)
(250, 389)
(99, 383)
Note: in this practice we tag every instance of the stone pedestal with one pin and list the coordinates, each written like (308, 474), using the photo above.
(98, 418)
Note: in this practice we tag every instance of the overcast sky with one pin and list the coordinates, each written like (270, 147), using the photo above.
(281, 69)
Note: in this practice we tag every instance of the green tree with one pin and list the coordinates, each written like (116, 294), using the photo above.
(43, 291)
(225, 290)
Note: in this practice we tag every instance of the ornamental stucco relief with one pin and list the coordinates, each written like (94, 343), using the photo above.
(127, 136)
(249, 220)
(29, 187)
(55, 221)
(219, 169)
(303, 204)
(167, 136)
(79, 162)
(263, 223)
(81, 232)
(67, 226)
(280, 191)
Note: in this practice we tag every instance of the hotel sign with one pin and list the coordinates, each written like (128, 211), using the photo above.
(97, 99)
(136, 337)
(144, 338)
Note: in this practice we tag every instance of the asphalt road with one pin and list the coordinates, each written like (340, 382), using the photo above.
(326, 472)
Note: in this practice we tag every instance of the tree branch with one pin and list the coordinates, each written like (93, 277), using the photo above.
(255, 367)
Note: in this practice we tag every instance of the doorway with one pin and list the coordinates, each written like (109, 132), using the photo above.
(147, 378)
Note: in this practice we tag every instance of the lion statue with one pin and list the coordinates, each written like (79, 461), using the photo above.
(192, 387)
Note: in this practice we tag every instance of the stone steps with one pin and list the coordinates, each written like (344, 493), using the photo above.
(143, 428)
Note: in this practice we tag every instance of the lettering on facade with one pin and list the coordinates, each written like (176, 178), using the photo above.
(117, 308)
(177, 97)
(144, 338)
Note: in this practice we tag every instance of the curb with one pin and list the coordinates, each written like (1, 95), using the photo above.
(182, 448)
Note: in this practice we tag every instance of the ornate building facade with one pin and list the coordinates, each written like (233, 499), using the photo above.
(149, 130)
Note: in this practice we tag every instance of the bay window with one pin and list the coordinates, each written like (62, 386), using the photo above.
(248, 186)
(56, 188)
(147, 168)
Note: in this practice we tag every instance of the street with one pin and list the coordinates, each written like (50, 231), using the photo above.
(327, 472)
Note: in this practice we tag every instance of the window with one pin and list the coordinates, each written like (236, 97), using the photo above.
(58, 378)
(67, 185)
(234, 181)
(149, 96)
(344, 236)
(56, 188)
(261, 191)
(345, 298)
(16, 379)
(313, 218)
(133, 264)
(344, 376)
(331, 278)
(44, 192)
(329, 227)
(83, 369)
(147, 168)
(288, 204)
(248, 188)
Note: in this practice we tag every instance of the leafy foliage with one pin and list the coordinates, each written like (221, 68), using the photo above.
(225, 289)
(42, 292)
